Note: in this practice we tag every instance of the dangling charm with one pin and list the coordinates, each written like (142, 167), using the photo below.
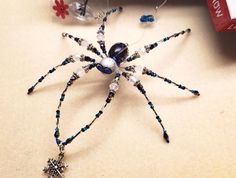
(56, 167)
(78, 9)
(149, 19)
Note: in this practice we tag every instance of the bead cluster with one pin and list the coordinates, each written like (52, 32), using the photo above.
(113, 88)
(74, 77)
(84, 43)
(65, 62)
(100, 33)
(140, 87)
(153, 74)
(148, 48)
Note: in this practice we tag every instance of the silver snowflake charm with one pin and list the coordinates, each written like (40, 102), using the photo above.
(55, 168)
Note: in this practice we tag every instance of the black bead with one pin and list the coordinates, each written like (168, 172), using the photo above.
(30, 90)
(57, 133)
(182, 87)
(62, 97)
(188, 30)
(195, 92)
(76, 39)
(166, 137)
(52, 70)
(167, 80)
(66, 61)
(41, 79)
(158, 118)
(68, 140)
(151, 105)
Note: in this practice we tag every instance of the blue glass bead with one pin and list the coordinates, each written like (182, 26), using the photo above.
(147, 18)
(58, 141)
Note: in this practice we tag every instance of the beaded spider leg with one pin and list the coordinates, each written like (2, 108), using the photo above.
(101, 31)
(148, 48)
(84, 43)
(113, 88)
(146, 71)
(140, 87)
(70, 59)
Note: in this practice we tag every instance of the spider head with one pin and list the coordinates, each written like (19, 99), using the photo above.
(107, 65)
(118, 52)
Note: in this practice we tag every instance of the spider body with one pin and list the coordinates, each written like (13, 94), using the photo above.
(116, 55)
(111, 63)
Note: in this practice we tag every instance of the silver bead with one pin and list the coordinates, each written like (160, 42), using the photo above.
(100, 37)
(76, 57)
(139, 69)
(142, 51)
(109, 63)
(114, 86)
(81, 72)
(133, 80)
(85, 43)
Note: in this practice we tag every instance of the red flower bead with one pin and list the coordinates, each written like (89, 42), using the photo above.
(61, 8)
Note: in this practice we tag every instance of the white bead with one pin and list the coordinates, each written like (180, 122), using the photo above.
(142, 51)
(76, 57)
(114, 86)
(109, 62)
(139, 70)
(100, 37)
(85, 43)
(133, 80)
(80, 72)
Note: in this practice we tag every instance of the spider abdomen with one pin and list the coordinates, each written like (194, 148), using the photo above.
(118, 52)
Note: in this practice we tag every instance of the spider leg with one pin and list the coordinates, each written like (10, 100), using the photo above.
(140, 87)
(111, 94)
(146, 71)
(148, 48)
(84, 43)
(101, 31)
(70, 59)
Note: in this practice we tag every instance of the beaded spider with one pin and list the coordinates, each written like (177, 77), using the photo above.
(110, 63)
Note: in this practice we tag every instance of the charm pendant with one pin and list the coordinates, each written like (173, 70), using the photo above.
(56, 167)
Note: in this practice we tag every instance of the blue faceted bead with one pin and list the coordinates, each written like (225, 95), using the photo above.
(147, 18)
(58, 141)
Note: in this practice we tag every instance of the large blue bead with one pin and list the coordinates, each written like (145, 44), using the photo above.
(118, 52)
(147, 18)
